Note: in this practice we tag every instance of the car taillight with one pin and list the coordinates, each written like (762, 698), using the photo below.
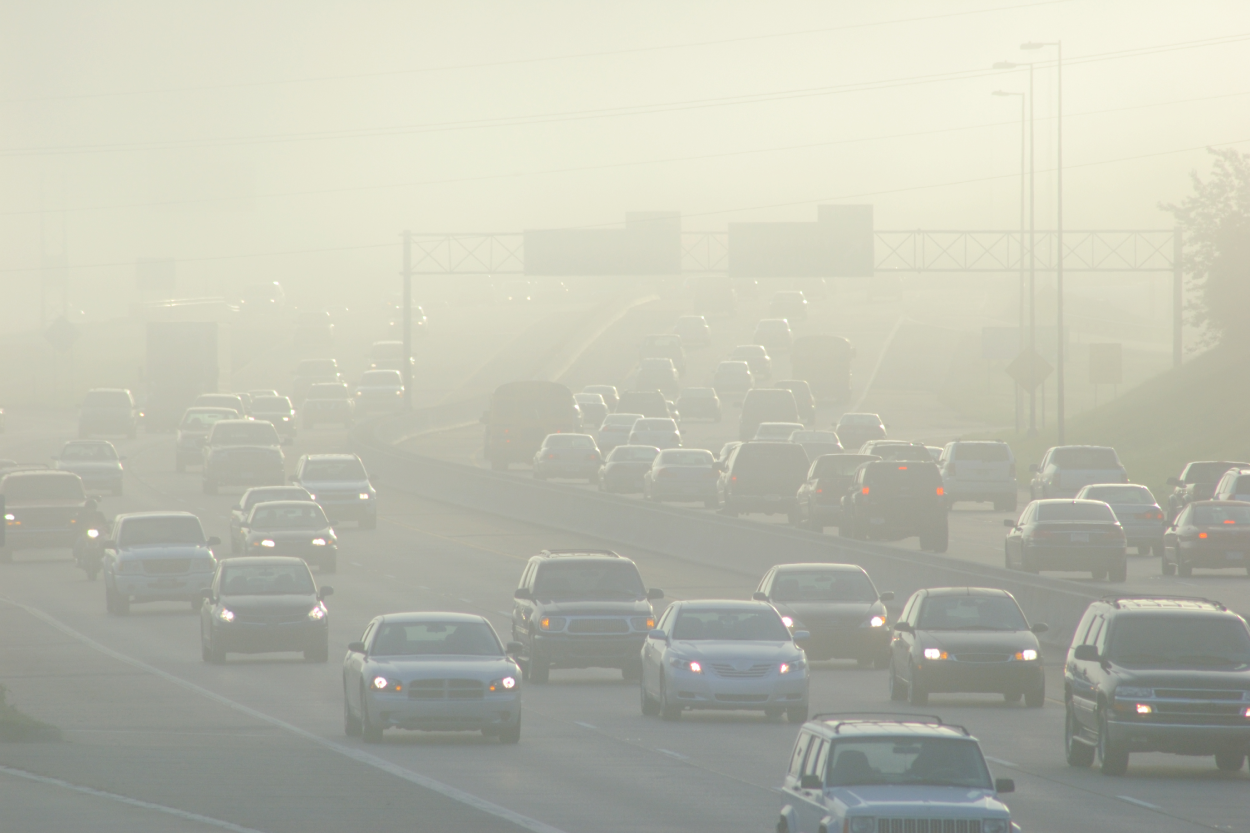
(1202, 535)
(864, 491)
(551, 456)
(940, 491)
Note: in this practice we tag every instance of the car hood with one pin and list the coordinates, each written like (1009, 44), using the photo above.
(283, 603)
(631, 607)
(975, 641)
(156, 551)
(441, 665)
(715, 649)
(921, 800)
(1182, 677)
(850, 613)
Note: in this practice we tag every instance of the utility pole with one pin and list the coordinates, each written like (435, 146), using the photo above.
(407, 313)
(1020, 317)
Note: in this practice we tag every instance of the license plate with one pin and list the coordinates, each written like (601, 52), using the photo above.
(1080, 537)
(1234, 556)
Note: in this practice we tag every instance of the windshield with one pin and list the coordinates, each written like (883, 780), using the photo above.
(1191, 641)
(749, 351)
(245, 433)
(733, 369)
(860, 420)
(271, 405)
(686, 457)
(88, 451)
(106, 399)
(903, 474)
(946, 762)
(569, 441)
(324, 470)
(971, 613)
(1135, 495)
(633, 454)
(43, 487)
(698, 393)
(201, 420)
(751, 625)
(981, 453)
(407, 639)
(772, 463)
(255, 496)
(1213, 514)
(598, 579)
(1075, 512)
(1078, 457)
(328, 391)
(142, 532)
(288, 516)
(844, 465)
(267, 580)
(823, 586)
(220, 400)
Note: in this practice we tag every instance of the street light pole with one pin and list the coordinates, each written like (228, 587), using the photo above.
(1059, 379)
(1020, 316)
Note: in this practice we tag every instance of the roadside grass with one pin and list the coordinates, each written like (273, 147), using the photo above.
(16, 726)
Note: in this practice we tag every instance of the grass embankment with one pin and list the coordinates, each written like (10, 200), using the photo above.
(16, 726)
(1199, 411)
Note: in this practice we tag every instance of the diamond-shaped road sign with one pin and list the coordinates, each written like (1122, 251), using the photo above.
(1029, 369)
(61, 334)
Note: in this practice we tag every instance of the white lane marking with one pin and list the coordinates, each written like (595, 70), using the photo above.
(1139, 802)
(1000, 761)
(125, 799)
(585, 725)
(672, 753)
(446, 790)
(355, 563)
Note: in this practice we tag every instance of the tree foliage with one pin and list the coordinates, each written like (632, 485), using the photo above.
(1215, 220)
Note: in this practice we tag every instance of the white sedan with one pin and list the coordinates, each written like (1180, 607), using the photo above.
(431, 672)
(724, 655)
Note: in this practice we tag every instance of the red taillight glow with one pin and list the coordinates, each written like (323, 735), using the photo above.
(864, 490)
(1202, 535)
(551, 456)
(902, 468)
(940, 491)
(1229, 521)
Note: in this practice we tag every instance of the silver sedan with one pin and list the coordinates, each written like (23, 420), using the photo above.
(432, 672)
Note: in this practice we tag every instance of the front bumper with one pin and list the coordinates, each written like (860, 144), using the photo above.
(176, 588)
(586, 651)
(491, 712)
(953, 676)
(1179, 738)
(709, 691)
(844, 643)
(260, 638)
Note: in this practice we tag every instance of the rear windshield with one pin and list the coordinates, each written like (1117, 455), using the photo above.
(271, 405)
(633, 454)
(698, 393)
(731, 368)
(203, 419)
(328, 391)
(1134, 495)
(823, 586)
(607, 578)
(981, 453)
(834, 465)
(776, 430)
(219, 400)
(106, 399)
(464, 639)
(1216, 515)
(1084, 458)
(569, 441)
(289, 516)
(655, 425)
(1185, 641)
(971, 613)
(1075, 512)
(266, 580)
(255, 496)
(589, 399)
(770, 460)
(755, 624)
(749, 350)
(245, 433)
(140, 532)
(43, 487)
(903, 474)
(324, 470)
(388, 350)
(860, 420)
(88, 451)
(686, 457)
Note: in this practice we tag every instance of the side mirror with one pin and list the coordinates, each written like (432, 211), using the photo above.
(1033, 468)
(904, 627)
(655, 593)
(759, 596)
(325, 591)
(1040, 627)
(513, 649)
(1009, 523)
(810, 782)
(356, 647)
(1086, 653)
(1174, 481)
(522, 593)
(214, 541)
(1004, 785)
(658, 634)
(799, 636)
(887, 596)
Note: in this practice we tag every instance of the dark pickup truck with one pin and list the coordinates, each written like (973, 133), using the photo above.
(41, 508)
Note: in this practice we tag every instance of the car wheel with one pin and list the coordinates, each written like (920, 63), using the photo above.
(205, 654)
(1167, 568)
(216, 655)
(1112, 758)
(1035, 698)
(1098, 575)
(796, 714)
(1007, 558)
(116, 603)
(898, 691)
(351, 723)
(650, 706)
(773, 715)
(368, 732)
(1077, 753)
(511, 734)
(1119, 572)
(1185, 569)
(1230, 760)
(320, 653)
(668, 711)
(916, 695)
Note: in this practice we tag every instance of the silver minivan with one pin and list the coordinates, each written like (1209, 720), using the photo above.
(979, 471)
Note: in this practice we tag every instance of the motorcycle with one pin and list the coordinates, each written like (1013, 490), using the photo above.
(88, 552)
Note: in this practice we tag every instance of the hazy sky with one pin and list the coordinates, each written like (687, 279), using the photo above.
(201, 130)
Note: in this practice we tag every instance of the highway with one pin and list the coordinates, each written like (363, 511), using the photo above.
(155, 739)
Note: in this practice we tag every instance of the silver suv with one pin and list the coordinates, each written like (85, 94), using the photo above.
(924, 775)
(979, 471)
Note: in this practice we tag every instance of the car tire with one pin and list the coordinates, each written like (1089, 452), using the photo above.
(217, 656)
(916, 694)
(319, 653)
(204, 652)
(351, 723)
(368, 732)
(649, 705)
(511, 734)
(115, 603)
(1118, 573)
(1098, 575)
(1166, 567)
(1113, 759)
(1230, 760)
(1077, 753)
(796, 714)
(1035, 698)
(668, 711)
(368, 522)
(898, 691)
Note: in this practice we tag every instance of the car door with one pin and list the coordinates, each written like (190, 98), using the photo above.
(1171, 539)
(353, 670)
(1085, 676)
(1015, 539)
(811, 802)
(653, 652)
(792, 795)
(900, 645)
(523, 609)
(1037, 487)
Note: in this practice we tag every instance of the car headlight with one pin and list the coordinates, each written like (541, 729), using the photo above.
(318, 542)
(551, 623)
(863, 824)
(225, 614)
(934, 653)
(10, 517)
(995, 826)
(1028, 655)
(317, 613)
(91, 533)
(1133, 691)
(365, 495)
(876, 622)
(380, 683)
(642, 623)
(787, 621)
(507, 684)
(267, 542)
(796, 665)
(691, 665)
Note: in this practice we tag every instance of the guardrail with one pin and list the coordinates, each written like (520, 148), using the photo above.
(711, 540)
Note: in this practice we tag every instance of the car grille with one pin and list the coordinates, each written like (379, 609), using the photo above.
(742, 698)
(1199, 694)
(44, 518)
(271, 618)
(165, 566)
(445, 690)
(598, 626)
(982, 657)
(724, 669)
(928, 825)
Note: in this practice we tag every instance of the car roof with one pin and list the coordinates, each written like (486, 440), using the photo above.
(1219, 503)
(287, 503)
(1147, 602)
(858, 414)
(1052, 501)
(431, 616)
(209, 409)
(968, 591)
(89, 442)
(903, 725)
(810, 566)
(170, 514)
(330, 456)
(241, 422)
(264, 561)
(585, 554)
(44, 471)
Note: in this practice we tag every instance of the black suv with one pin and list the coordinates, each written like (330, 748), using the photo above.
(891, 500)
(1197, 481)
(582, 609)
(1157, 674)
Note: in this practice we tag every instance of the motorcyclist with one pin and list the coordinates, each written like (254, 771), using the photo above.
(87, 550)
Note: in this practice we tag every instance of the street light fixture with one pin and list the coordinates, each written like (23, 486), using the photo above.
(1020, 319)
(1059, 398)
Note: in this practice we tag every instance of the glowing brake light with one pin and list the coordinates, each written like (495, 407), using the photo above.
(940, 491)
(902, 468)
(1202, 535)
(864, 490)
(1229, 521)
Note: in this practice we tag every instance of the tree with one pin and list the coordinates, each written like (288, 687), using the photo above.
(1215, 220)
